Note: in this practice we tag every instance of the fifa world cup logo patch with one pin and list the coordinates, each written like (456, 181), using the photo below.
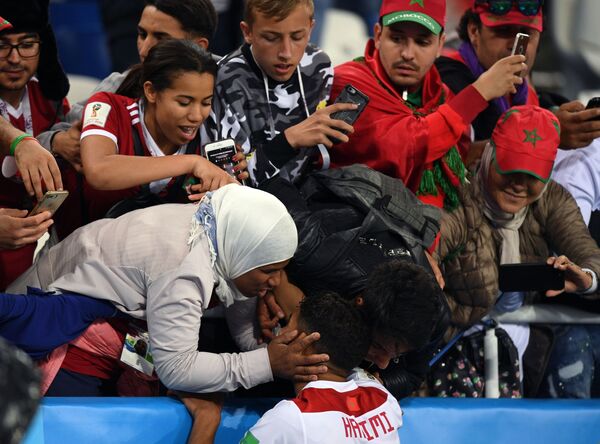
(95, 109)
(96, 114)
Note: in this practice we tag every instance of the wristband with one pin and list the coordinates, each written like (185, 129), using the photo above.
(17, 140)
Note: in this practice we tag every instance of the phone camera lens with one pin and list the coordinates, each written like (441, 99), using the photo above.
(351, 90)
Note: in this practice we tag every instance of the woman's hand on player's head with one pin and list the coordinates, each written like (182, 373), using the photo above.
(289, 358)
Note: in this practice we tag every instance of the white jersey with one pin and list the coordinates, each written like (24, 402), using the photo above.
(355, 411)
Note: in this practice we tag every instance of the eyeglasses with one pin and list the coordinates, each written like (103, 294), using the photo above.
(502, 7)
(26, 49)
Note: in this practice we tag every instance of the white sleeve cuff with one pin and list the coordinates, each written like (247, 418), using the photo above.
(594, 285)
(260, 366)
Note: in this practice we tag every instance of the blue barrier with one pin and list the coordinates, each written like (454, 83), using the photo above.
(426, 420)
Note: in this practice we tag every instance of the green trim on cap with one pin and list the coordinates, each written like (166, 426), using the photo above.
(531, 173)
(4, 24)
(411, 16)
(508, 113)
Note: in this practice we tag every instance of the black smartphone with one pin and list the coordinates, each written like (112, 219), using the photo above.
(520, 45)
(530, 277)
(350, 95)
(221, 154)
(594, 103)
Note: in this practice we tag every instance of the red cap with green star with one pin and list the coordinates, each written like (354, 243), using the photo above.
(525, 140)
(430, 14)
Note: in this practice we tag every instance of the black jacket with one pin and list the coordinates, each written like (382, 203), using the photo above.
(343, 235)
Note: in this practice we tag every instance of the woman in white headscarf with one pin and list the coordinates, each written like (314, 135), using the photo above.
(169, 264)
(513, 213)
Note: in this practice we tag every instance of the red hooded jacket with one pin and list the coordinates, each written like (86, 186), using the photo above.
(396, 138)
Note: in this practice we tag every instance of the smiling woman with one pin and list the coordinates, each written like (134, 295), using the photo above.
(512, 212)
(148, 132)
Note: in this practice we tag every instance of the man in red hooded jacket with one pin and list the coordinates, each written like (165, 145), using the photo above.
(414, 128)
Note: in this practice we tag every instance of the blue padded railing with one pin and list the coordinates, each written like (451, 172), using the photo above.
(426, 420)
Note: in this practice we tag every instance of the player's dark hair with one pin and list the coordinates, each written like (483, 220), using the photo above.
(345, 336)
(197, 17)
(402, 301)
(469, 16)
(164, 63)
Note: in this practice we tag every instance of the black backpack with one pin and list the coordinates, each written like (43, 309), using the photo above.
(349, 220)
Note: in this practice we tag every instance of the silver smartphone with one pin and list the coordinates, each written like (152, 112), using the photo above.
(49, 202)
(520, 46)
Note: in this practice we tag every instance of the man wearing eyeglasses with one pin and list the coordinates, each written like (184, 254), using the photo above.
(487, 30)
(31, 105)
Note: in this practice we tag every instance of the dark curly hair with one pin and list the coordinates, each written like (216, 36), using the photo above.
(402, 301)
(345, 336)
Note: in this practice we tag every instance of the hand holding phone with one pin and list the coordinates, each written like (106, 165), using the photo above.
(49, 202)
(350, 95)
(221, 154)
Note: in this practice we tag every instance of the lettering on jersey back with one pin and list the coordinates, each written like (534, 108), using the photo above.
(369, 429)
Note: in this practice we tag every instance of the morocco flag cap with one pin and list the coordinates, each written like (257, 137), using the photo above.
(4, 24)
(429, 13)
(525, 140)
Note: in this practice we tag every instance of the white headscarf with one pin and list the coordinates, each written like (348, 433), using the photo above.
(246, 229)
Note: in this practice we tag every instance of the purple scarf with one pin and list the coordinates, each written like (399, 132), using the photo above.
(467, 52)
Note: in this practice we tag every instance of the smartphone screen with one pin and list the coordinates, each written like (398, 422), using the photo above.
(49, 202)
(530, 277)
(221, 154)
